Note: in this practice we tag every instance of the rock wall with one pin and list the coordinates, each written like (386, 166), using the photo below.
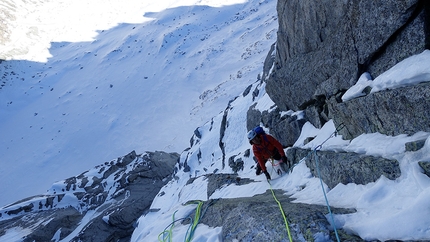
(345, 167)
(400, 111)
(258, 218)
(324, 46)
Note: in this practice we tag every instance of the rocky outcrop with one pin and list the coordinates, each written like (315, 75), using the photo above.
(258, 218)
(425, 166)
(286, 128)
(345, 167)
(399, 111)
(323, 48)
(111, 197)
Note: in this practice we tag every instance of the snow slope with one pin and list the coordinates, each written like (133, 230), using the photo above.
(86, 82)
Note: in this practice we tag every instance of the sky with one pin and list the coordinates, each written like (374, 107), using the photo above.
(86, 82)
(386, 209)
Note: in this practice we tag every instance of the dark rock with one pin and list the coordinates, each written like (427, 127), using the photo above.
(130, 196)
(399, 111)
(253, 117)
(216, 181)
(247, 153)
(197, 133)
(66, 220)
(258, 218)
(255, 93)
(415, 145)
(268, 62)
(307, 140)
(322, 48)
(235, 165)
(247, 90)
(343, 167)
(425, 166)
(286, 129)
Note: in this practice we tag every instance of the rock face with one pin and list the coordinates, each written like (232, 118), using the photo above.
(400, 111)
(258, 218)
(99, 205)
(321, 51)
(324, 47)
(285, 128)
(345, 167)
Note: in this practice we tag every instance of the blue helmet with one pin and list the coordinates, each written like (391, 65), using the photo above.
(251, 134)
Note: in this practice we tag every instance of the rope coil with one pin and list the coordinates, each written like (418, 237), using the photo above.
(193, 223)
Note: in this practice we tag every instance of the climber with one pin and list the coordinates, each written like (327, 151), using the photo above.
(266, 147)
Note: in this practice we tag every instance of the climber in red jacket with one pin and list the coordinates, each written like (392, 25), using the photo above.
(266, 147)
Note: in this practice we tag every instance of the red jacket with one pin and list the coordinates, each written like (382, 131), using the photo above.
(266, 149)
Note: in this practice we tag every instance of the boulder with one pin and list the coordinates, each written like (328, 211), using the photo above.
(345, 167)
(259, 218)
(403, 110)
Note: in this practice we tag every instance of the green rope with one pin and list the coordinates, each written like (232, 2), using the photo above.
(193, 225)
(170, 231)
(282, 212)
(341, 126)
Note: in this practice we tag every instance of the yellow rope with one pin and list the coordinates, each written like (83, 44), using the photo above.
(169, 232)
(282, 211)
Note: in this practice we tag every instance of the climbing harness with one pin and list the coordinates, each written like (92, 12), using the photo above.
(282, 212)
(278, 171)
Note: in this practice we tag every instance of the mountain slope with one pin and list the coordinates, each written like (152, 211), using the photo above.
(142, 84)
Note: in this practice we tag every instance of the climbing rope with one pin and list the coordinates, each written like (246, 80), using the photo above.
(325, 195)
(334, 134)
(319, 175)
(167, 233)
(190, 231)
(341, 126)
(282, 211)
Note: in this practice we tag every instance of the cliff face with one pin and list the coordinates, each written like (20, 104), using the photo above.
(324, 47)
